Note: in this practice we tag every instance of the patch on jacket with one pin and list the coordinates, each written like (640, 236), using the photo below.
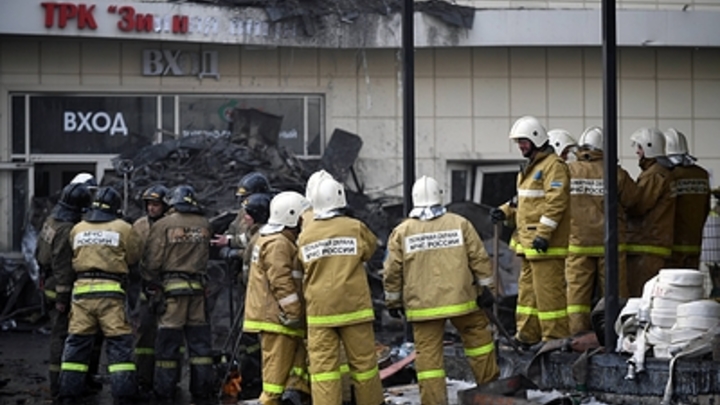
(537, 175)
(329, 247)
(255, 257)
(556, 184)
(101, 238)
(433, 240)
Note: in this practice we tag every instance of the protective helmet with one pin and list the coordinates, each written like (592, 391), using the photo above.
(675, 142)
(105, 206)
(157, 192)
(182, 198)
(651, 140)
(251, 183)
(592, 138)
(530, 128)
(560, 139)
(258, 207)
(286, 208)
(85, 178)
(426, 192)
(329, 195)
(75, 197)
(313, 181)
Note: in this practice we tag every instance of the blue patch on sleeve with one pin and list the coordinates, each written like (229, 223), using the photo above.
(538, 175)
(556, 184)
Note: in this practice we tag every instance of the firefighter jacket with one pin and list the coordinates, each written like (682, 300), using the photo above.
(108, 247)
(54, 255)
(252, 235)
(543, 202)
(236, 231)
(142, 228)
(177, 252)
(274, 288)
(335, 286)
(587, 203)
(692, 206)
(651, 219)
(435, 269)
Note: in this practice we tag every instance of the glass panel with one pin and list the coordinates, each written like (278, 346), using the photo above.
(315, 126)
(18, 124)
(498, 187)
(19, 204)
(458, 188)
(78, 125)
(168, 118)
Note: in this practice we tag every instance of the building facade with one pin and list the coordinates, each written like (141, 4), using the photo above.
(81, 83)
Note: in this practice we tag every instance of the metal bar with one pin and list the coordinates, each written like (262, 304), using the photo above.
(609, 51)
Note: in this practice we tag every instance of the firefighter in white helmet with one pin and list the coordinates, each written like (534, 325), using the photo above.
(333, 249)
(563, 143)
(437, 270)
(585, 264)
(543, 224)
(692, 204)
(273, 304)
(651, 220)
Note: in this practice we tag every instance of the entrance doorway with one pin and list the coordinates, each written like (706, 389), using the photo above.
(50, 178)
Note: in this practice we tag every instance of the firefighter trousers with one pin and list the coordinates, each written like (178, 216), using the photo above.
(640, 269)
(145, 336)
(325, 374)
(284, 366)
(583, 274)
(87, 317)
(542, 301)
(479, 349)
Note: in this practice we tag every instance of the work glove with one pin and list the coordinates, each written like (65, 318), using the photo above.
(62, 301)
(229, 253)
(485, 300)
(540, 244)
(396, 312)
(292, 323)
(497, 215)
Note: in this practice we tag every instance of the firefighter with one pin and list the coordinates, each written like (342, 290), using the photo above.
(563, 143)
(651, 219)
(155, 208)
(711, 245)
(273, 303)
(175, 258)
(437, 270)
(104, 248)
(54, 255)
(333, 248)
(543, 224)
(585, 264)
(692, 202)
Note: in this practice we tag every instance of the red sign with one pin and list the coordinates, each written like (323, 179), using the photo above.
(68, 11)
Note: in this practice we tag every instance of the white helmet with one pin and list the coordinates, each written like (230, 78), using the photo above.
(426, 192)
(592, 138)
(651, 140)
(329, 195)
(286, 208)
(560, 139)
(675, 142)
(85, 178)
(530, 128)
(313, 182)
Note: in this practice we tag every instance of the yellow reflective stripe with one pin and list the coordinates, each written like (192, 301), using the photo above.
(529, 311)
(578, 309)
(182, 349)
(344, 368)
(273, 388)
(444, 310)
(55, 368)
(299, 372)
(687, 248)
(592, 250)
(530, 252)
(183, 285)
(201, 361)
(115, 368)
(51, 294)
(548, 315)
(656, 250)
(166, 363)
(272, 327)
(363, 314)
(79, 367)
(98, 288)
(328, 376)
(365, 375)
(428, 374)
(480, 351)
(144, 351)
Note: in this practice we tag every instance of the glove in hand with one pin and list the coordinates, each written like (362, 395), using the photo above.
(497, 215)
(485, 300)
(396, 313)
(293, 323)
(540, 244)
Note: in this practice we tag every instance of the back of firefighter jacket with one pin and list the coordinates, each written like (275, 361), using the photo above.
(692, 206)
(273, 285)
(651, 219)
(332, 252)
(436, 267)
(142, 228)
(587, 203)
(543, 205)
(179, 243)
(54, 253)
(109, 247)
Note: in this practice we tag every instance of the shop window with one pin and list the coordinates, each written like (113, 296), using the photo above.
(18, 124)
(495, 184)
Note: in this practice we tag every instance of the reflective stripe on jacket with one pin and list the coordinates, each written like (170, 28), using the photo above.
(692, 206)
(435, 269)
(333, 252)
